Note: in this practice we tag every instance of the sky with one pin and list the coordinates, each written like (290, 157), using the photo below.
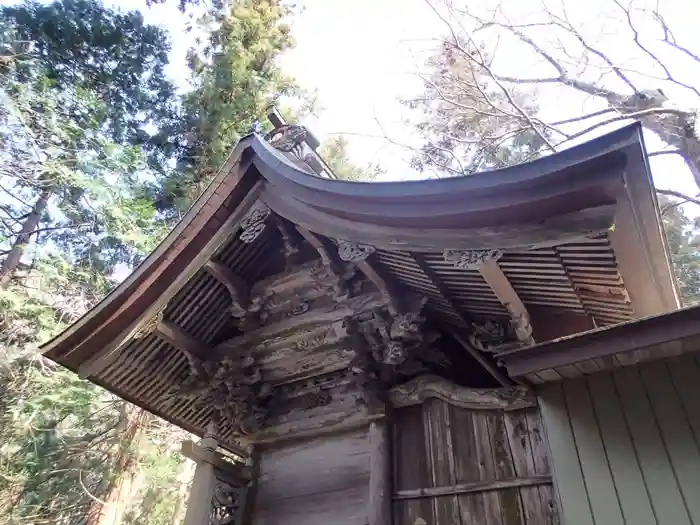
(362, 57)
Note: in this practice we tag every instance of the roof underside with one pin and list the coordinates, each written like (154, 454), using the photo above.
(547, 226)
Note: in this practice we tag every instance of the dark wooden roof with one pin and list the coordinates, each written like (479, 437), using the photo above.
(625, 344)
(557, 246)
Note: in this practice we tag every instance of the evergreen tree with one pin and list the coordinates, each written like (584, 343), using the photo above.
(235, 78)
(335, 153)
(683, 241)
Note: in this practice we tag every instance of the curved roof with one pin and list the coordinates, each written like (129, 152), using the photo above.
(467, 212)
(585, 218)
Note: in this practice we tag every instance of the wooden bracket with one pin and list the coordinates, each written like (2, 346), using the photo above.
(236, 286)
(190, 346)
(505, 292)
(235, 474)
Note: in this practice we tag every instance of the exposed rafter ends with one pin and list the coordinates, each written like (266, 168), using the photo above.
(501, 286)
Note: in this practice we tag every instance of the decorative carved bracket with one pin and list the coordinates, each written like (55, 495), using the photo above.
(253, 224)
(288, 138)
(471, 259)
(151, 325)
(389, 347)
(234, 389)
(226, 503)
(422, 388)
(354, 251)
(341, 271)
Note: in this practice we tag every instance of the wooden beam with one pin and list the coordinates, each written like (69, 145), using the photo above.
(432, 275)
(379, 511)
(238, 474)
(384, 284)
(174, 336)
(423, 388)
(326, 425)
(505, 292)
(102, 358)
(434, 278)
(199, 503)
(490, 367)
(236, 286)
(471, 488)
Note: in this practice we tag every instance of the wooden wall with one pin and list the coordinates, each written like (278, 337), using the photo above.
(316, 482)
(454, 466)
(625, 444)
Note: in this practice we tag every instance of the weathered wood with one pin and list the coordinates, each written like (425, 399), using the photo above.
(518, 441)
(410, 463)
(235, 473)
(422, 388)
(488, 366)
(324, 315)
(509, 298)
(316, 481)
(101, 359)
(487, 468)
(174, 336)
(441, 460)
(326, 425)
(435, 279)
(199, 502)
(473, 488)
(237, 287)
(379, 509)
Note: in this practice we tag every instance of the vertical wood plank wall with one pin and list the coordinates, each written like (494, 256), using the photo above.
(492, 464)
(625, 444)
(315, 482)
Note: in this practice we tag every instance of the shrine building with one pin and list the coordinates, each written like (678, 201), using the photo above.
(504, 348)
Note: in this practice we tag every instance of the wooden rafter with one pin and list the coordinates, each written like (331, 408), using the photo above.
(237, 287)
(481, 359)
(384, 283)
(104, 356)
(440, 287)
(434, 278)
(176, 337)
(509, 298)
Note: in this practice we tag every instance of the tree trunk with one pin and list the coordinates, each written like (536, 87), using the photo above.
(110, 510)
(31, 223)
(184, 478)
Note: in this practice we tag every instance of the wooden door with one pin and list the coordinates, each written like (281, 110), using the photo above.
(455, 465)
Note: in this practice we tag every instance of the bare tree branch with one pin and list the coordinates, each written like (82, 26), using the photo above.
(679, 195)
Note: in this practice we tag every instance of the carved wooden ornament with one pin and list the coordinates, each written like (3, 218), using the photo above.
(253, 224)
(150, 325)
(354, 251)
(421, 388)
(287, 138)
(471, 259)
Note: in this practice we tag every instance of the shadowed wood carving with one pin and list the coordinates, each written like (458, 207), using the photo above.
(422, 388)
(253, 224)
(237, 287)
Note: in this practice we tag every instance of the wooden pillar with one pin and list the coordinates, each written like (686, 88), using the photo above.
(379, 473)
(203, 485)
